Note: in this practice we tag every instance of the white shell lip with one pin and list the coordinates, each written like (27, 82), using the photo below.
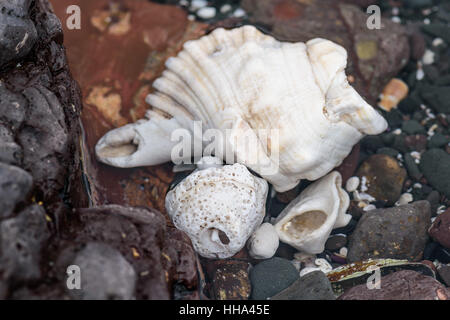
(308, 220)
(218, 208)
(245, 81)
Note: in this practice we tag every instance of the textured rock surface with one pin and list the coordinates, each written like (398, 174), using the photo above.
(375, 55)
(402, 285)
(384, 177)
(40, 177)
(231, 281)
(398, 232)
(106, 275)
(312, 286)
(440, 229)
(135, 248)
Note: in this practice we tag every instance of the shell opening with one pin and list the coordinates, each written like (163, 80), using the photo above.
(305, 223)
(217, 236)
(117, 151)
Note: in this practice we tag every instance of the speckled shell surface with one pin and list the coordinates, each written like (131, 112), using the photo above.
(214, 202)
(245, 81)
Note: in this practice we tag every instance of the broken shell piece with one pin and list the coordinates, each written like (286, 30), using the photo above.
(308, 220)
(319, 265)
(218, 208)
(394, 92)
(256, 91)
(264, 242)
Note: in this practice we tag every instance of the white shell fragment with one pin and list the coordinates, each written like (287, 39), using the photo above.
(308, 220)
(250, 85)
(264, 242)
(218, 208)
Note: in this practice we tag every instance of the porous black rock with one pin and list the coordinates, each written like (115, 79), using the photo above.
(17, 31)
(15, 184)
(106, 274)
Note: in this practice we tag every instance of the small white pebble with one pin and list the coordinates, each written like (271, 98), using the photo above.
(432, 219)
(352, 184)
(396, 19)
(366, 197)
(400, 157)
(426, 21)
(428, 57)
(417, 185)
(207, 13)
(437, 42)
(184, 3)
(426, 11)
(397, 131)
(225, 8)
(363, 184)
(395, 11)
(420, 74)
(369, 207)
(191, 17)
(431, 130)
(343, 252)
(405, 198)
(198, 4)
(415, 155)
(239, 13)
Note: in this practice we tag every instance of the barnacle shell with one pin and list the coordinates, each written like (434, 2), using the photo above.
(308, 220)
(244, 81)
(219, 208)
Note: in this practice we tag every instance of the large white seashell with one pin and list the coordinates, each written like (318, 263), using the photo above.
(308, 220)
(219, 208)
(246, 82)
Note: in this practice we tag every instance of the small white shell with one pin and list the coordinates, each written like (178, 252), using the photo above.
(218, 208)
(264, 242)
(250, 84)
(308, 220)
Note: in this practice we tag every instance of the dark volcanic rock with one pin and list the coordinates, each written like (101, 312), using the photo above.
(270, 277)
(312, 286)
(21, 241)
(435, 165)
(105, 274)
(398, 233)
(15, 184)
(401, 285)
(375, 56)
(17, 31)
(440, 229)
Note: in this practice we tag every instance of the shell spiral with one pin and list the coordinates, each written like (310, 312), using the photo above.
(292, 102)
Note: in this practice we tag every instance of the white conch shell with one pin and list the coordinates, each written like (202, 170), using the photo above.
(250, 84)
(263, 243)
(308, 220)
(219, 208)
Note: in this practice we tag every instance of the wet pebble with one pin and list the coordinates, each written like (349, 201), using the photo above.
(440, 229)
(272, 276)
(435, 165)
(398, 233)
(336, 242)
(444, 273)
(385, 177)
(401, 285)
(312, 286)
